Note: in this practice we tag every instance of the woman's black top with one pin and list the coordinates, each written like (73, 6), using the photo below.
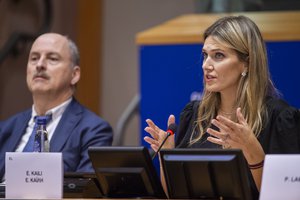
(280, 134)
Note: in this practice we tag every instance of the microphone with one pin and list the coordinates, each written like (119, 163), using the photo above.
(171, 131)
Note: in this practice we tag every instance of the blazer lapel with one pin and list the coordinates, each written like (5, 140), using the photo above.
(17, 132)
(19, 129)
(65, 127)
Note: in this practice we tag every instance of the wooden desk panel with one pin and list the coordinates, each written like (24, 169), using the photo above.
(275, 26)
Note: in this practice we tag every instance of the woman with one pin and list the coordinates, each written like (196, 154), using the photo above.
(240, 107)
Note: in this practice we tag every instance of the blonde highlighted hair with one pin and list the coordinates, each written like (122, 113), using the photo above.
(243, 36)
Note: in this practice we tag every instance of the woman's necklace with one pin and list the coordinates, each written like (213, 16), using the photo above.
(226, 113)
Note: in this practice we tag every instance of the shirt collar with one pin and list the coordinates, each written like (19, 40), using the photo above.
(55, 112)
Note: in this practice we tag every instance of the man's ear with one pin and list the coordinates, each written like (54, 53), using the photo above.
(75, 75)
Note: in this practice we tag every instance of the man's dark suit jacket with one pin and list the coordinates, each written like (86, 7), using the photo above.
(78, 129)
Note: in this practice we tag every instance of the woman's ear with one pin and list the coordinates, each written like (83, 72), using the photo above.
(245, 71)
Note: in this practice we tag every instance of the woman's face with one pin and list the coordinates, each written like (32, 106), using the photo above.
(222, 68)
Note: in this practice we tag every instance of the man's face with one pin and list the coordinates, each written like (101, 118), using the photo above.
(49, 68)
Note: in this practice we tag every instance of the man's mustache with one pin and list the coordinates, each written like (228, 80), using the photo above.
(41, 75)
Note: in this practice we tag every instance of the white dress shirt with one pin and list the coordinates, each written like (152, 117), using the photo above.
(56, 113)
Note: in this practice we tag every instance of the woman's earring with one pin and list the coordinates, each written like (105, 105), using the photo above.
(244, 74)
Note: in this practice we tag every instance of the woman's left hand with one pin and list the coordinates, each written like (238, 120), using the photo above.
(236, 135)
(240, 136)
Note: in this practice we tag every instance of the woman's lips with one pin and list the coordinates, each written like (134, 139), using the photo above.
(209, 78)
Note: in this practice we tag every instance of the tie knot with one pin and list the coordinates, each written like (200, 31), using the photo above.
(42, 120)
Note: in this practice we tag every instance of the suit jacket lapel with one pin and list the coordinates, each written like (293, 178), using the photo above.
(19, 129)
(65, 127)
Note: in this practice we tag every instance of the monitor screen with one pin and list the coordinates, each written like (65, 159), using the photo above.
(206, 173)
(125, 172)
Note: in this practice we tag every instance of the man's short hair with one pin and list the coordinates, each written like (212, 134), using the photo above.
(75, 57)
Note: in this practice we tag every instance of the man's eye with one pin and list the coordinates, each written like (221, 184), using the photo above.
(53, 59)
(34, 58)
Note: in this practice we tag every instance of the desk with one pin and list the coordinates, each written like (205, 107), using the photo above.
(170, 65)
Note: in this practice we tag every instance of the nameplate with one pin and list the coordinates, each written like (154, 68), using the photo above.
(281, 177)
(33, 175)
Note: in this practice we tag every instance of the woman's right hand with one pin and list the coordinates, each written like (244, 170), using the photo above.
(158, 135)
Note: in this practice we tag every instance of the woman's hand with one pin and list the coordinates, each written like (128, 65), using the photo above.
(237, 135)
(158, 135)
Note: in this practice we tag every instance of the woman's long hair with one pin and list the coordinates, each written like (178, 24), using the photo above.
(243, 36)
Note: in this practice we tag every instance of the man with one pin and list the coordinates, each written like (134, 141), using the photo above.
(52, 74)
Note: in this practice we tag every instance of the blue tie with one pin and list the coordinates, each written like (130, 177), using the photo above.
(30, 144)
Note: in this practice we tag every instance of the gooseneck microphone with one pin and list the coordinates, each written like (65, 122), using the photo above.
(171, 131)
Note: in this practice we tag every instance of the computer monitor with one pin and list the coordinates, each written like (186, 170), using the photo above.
(126, 172)
(206, 174)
